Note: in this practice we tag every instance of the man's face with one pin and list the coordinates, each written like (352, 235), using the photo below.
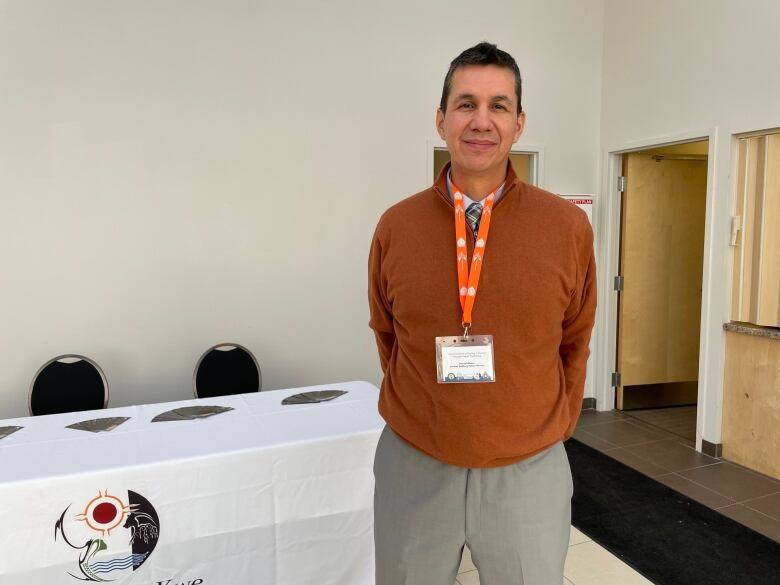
(481, 123)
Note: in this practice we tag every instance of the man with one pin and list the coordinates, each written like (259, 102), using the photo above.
(478, 254)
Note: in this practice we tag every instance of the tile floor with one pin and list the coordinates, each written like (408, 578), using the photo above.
(743, 495)
(679, 420)
(586, 564)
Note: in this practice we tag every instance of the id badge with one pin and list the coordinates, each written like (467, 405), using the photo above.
(465, 359)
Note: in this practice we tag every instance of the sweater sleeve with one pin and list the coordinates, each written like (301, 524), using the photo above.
(577, 326)
(381, 317)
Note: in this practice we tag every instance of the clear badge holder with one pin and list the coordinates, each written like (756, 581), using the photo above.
(465, 359)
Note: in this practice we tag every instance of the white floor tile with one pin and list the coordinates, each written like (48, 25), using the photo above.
(590, 564)
(577, 537)
(466, 564)
(470, 578)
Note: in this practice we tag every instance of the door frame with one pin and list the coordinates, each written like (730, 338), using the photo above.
(710, 394)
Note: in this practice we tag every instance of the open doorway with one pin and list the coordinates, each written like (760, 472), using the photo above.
(660, 285)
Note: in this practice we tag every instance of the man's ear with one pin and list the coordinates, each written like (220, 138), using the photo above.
(440, 122)
(520, 126)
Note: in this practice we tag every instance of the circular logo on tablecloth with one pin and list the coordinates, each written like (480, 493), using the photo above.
(111, 534)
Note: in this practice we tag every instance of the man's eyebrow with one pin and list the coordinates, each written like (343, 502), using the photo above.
(495, 98)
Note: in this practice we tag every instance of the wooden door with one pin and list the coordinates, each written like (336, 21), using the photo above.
(662, 246)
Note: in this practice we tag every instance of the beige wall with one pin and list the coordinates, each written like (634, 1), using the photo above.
(175, 174)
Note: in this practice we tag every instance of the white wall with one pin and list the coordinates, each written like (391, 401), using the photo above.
(175, 174)
(673, 69)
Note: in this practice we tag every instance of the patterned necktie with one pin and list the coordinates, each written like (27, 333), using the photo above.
(473, 215)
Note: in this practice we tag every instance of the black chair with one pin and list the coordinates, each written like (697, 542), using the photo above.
(68, 383)
(227, 368)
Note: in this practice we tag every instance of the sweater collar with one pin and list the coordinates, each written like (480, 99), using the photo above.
(468, 201)
(440, 185)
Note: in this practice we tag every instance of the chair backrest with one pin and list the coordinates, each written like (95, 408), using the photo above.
(68, 383)
(227, 368)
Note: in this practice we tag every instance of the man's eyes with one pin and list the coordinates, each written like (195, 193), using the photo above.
(470, 106)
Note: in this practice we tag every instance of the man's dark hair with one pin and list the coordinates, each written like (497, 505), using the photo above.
(483, 54)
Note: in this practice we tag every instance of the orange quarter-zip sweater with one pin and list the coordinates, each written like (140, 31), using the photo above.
(536, 296)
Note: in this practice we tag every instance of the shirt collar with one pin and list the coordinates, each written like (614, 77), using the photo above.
(467, 201)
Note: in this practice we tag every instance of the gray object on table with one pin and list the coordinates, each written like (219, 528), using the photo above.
(99, 425)
(313, 397)
(5, 431)
(190, 413)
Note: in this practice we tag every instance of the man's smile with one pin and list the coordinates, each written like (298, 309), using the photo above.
(480, 145)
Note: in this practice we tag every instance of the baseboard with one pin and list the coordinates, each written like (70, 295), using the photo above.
(712, 449)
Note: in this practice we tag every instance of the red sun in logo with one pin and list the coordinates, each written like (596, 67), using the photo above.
(104, 513)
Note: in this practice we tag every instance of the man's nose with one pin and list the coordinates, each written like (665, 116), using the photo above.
(481, 119)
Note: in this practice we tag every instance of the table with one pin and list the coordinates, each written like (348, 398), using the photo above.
(264, 494)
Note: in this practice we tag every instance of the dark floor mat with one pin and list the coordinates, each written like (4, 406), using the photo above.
(662, 534)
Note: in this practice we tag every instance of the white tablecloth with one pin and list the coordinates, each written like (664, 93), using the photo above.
(262, 495)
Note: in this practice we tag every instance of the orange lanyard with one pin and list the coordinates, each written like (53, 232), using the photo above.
(468, 280)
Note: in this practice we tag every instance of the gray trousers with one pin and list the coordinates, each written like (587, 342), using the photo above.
(515, 519)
